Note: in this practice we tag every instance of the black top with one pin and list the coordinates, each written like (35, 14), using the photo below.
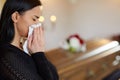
(15, 64)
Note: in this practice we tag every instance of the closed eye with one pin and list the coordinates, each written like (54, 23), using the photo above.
(34, 19)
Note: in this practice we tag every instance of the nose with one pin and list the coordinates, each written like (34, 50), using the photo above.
(37, 21)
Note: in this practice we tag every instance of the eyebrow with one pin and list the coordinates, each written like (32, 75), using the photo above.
(37, 16)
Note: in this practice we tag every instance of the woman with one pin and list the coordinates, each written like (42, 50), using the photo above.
(15, 64)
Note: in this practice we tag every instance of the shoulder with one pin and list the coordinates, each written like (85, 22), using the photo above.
(10, 52)
(13, 56)
(16, 62)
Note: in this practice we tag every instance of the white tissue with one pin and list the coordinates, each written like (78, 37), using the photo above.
(29, 33)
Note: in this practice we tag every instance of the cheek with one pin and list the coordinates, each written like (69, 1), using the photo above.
(22, 28)
(24, 23)
(24, 31)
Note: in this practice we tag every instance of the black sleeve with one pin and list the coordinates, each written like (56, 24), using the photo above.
(45, 68)
(115, 75)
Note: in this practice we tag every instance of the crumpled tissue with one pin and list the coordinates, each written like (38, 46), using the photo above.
(31, 28)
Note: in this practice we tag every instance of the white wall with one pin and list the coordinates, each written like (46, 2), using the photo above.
(89, 18)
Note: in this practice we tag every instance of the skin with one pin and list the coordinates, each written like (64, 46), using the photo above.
(21, 24)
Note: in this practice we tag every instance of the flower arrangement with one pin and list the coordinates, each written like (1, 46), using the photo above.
(74, 43)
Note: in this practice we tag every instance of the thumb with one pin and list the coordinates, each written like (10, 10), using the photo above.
(29, 43)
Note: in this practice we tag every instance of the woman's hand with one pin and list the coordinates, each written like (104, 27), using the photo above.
(36, 42)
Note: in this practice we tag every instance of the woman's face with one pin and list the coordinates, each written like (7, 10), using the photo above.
(26, 19)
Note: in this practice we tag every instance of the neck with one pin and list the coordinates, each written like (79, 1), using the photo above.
(16, 42)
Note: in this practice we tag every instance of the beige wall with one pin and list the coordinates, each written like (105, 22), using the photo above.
(1, 4)
(55, 34)
(96, 18)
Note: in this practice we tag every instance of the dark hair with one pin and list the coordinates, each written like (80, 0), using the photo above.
(6, 23)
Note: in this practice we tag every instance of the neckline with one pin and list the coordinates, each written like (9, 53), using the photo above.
(12, 47)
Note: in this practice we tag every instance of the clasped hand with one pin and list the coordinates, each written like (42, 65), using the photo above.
(36, 42)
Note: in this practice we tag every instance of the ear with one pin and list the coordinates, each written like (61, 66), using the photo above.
(15, 16)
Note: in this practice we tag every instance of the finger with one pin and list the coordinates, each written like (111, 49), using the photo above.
(35, 33)
(39, 34)
(41, 31)
(29, 41)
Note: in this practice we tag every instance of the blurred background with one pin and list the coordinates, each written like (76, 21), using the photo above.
(96, 23)
(88, 18)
